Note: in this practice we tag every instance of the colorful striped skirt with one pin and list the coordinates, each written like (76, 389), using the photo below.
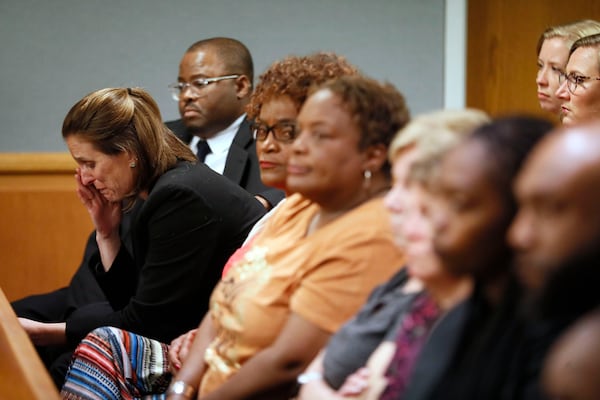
(111, 363)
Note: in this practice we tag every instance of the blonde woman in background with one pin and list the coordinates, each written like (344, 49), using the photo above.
(580, 84)
(552, 55)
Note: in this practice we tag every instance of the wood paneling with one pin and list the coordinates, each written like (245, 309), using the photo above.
(501, 49)
(22, 374)
(43, 225)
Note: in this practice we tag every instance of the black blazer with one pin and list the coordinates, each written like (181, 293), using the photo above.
(181, 237)
(241, 165)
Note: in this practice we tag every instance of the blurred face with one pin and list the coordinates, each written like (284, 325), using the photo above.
(572, 368)
(216, 105)
(584, 103)
(326, 165)
(552, 60)
(469, 216)
(273, 154)
(422, 263)
(111, 175)
(558, 210)
(395, 200)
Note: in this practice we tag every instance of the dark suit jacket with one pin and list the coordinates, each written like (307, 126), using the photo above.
(182, 235)
(241, 165)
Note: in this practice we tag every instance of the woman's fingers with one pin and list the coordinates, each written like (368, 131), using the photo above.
(187, 344)
(356, 383)
(174, 347)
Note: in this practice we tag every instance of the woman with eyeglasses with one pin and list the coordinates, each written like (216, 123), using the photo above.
(316, 259)
(274, 107)
(553, 52)
(301, 276)
(580, 84)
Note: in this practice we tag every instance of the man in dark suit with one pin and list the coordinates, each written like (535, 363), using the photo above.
(214, 86)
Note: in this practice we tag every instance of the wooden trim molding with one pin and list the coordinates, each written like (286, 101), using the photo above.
(36, 163)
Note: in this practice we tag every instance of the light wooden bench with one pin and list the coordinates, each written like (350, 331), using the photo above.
(22, 373)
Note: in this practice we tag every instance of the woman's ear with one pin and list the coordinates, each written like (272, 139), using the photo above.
(376, 156)
(243, 86)
(132, 158)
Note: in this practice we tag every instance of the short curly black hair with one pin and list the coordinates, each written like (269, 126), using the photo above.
(293, 76)
(379, 110)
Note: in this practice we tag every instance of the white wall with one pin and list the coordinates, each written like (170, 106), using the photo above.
(54, 52)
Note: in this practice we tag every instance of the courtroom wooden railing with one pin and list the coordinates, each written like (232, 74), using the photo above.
(22, 374)
(43, 227)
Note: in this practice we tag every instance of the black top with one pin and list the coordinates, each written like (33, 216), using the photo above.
(181, 237)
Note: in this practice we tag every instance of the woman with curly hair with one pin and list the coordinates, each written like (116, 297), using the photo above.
(302, 275)
(274, 106)
(316, 259)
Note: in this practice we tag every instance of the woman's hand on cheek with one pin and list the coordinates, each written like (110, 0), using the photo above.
(105, 215)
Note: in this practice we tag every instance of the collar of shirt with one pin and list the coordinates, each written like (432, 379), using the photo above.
(219, 145)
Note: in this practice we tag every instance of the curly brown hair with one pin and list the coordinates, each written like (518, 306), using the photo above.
(293, 76)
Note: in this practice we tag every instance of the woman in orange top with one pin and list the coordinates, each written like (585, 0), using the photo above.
(316, 259)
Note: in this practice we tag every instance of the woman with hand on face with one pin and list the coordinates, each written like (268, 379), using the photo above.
(553, 52)
(157, 284)
(371, 334)
(125, 154)
(580, 84)
(274, 106)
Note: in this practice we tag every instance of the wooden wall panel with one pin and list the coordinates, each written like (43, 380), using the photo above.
(43, 225)
(501, 57)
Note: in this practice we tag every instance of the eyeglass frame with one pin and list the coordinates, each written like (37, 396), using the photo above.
(272, 129)
(196, 85)
(571, 80)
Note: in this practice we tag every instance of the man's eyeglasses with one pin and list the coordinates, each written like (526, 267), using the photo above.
(196, 86)
(284, 131)
(573, 81)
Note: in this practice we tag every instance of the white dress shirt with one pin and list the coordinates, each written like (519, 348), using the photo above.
(219, 145)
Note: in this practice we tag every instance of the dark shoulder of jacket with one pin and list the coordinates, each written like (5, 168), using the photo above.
(179, 129)
(243, 137)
